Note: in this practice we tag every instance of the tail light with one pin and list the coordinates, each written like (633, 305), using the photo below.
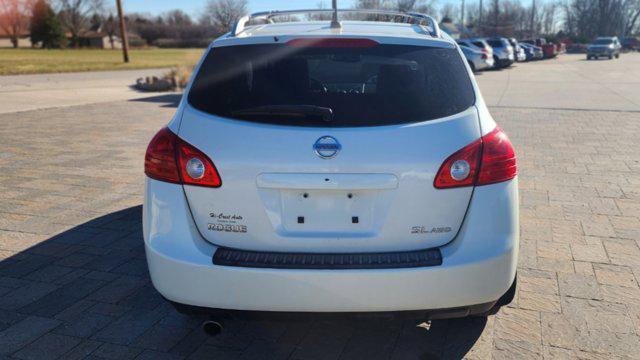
(484, 50)
(488, 160)
(171, 159)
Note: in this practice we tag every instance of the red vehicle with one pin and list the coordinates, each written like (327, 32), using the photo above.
(548, 49)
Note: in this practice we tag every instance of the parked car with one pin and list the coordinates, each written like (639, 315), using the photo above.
(630, 44)
(608, 46)
(519, 51)
(477, 59)
(304, 189)
(548, 50)
(477, 43)
(533, 52)
(520, 54)
(502, 51)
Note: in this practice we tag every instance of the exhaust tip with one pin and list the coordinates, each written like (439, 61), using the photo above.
(212, 328)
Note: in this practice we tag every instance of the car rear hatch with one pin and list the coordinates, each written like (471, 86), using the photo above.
(330, 145)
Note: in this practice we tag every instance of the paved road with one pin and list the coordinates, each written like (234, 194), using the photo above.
(73, 279)
(569, 82)
(31, 92)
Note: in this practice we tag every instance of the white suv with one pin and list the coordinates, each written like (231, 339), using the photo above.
(344, 168)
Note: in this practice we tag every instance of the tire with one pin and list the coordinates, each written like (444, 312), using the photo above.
(610, 57)
(617, 56)
(496, 62)
(588, 57)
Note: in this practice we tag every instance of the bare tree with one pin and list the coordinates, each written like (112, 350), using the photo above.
(223, 13)
(590, 18)
(424, 6)
(14, 18)
(110, 27)
(177, 18)
(449, 12)
(75, 15)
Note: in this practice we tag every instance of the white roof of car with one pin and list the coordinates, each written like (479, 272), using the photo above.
(369, 29)
(348, 28)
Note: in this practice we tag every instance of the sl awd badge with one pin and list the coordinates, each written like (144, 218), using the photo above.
(327, 147)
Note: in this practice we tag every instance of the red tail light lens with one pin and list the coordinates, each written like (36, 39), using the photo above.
(498, 159)
(160, 160)
(333, 42)
(488, 160)
(171, 159)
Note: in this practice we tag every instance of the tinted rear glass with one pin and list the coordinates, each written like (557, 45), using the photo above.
(380, 85)
(603, 42)
(496, 43)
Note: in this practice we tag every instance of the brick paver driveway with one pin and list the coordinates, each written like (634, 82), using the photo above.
(73, 278)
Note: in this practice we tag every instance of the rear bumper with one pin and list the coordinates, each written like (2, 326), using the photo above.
(504, 62)
(433, 314)
(478, 266)
(483, 64)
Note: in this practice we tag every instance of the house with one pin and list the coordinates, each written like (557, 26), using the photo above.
(23, 40)
(95, 37)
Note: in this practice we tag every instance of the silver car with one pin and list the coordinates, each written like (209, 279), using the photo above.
(477, 59)
(604, 46)
(502, 51)
(533, 52)
(477, 43)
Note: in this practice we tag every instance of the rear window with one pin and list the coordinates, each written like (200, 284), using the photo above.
(496, 43)
(603, 41)
(330, 86)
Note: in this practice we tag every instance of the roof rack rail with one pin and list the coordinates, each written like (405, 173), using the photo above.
(269, 15)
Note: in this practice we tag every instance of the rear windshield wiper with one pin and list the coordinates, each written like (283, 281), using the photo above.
(293, 111)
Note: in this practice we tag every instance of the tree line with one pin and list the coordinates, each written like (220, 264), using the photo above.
(61, 23)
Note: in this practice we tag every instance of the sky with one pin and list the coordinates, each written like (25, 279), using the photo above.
(193, 7)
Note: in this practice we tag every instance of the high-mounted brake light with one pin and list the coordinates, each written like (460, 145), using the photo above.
(171, 159)
(333, 42)
(488, 160)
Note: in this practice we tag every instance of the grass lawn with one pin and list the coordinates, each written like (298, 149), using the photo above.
(38, 61)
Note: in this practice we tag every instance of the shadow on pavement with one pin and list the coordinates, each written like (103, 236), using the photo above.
(91, 282)
(167, 100)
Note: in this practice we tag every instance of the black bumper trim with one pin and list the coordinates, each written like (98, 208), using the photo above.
(324, 261)
(249, 315)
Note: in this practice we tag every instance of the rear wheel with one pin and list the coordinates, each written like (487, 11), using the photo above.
(617, 56)
(496, 62)
(588, 57)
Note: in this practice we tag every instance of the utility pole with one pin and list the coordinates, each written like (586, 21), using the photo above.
(462, 15)
(533, 14)
(123, 33)
(480, 17)
(335, 24)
